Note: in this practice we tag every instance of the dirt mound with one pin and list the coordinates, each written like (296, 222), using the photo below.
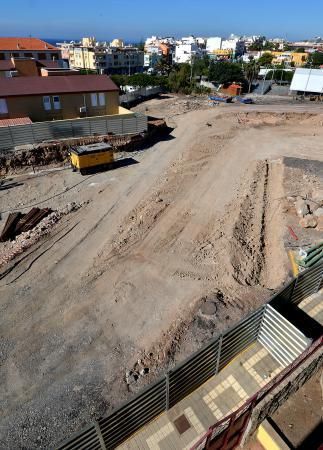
(257, 118)
(248, 239)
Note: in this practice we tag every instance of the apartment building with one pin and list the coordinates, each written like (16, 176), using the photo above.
(290, 58)
(186, 53)
(157, 48)
(21, 47)
(213, 43)
(236, 45)
(126, 61)
(106, 58)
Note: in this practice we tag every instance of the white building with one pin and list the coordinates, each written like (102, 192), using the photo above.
(199, 41)
(213, 43)
(185, 53)
(236, 45)
(308, 80)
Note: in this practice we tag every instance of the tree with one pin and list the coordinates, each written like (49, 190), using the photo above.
(251, 71)
(300, 50)
(225, 72)
(280, 75)
(265, 59)
(315, 59)
(201, 66)
(140, 45)
(179, 79)
(163, 66)
(258, 44)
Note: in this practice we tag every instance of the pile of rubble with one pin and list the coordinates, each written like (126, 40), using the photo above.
(18, 223)
(310, 210)
(187, 104)
(28, 238)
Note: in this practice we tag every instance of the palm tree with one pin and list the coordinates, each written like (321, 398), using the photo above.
(251, 70)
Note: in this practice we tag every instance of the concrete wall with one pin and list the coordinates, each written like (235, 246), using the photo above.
(282, 392)
(32, 106)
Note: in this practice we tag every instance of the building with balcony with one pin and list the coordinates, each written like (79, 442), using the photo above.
(106, 58)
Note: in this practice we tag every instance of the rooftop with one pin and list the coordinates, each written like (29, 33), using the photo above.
(14, 122)
(22, 86)
(23, 43)
(9, 64)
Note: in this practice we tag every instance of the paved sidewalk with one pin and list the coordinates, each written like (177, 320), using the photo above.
(183, 425)
(313, 306)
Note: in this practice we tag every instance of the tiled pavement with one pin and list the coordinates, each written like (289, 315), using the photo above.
(313, 306)
(216, 398)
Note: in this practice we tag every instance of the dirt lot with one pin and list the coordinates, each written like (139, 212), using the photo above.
(123, 278)
(300, 418)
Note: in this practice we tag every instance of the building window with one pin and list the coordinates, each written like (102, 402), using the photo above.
(54, 56)
(41, 55)
(47, 103)
(1, 56)
(56, 102)
(28, 55)
(3, 106)
(102, 98)
(94, 99)
(15, 55)
(98, 99)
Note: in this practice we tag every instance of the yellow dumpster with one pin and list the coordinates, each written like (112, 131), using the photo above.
(86, 158)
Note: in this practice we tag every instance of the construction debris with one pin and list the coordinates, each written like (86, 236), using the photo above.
(308, 221)
(311, 256)
(28, 238)
(301, 208)
(18, 223)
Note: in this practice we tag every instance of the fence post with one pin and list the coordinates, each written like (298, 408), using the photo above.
(98, 432)
(219, 354)
(293, 289)
(32, 132)
(167, 390)
(12, 140)
(320, 279)
(264, 308)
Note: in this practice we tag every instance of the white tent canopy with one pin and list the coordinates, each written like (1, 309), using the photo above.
(308, 80)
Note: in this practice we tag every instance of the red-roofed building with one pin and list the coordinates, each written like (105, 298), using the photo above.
(28, 67)
(20, 47)
(58, 97)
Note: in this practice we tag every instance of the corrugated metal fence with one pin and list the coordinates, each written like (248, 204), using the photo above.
(38, 132)
(139, 93)
(281, 338)
(265, 324)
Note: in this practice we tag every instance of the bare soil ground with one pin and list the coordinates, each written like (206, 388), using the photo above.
(300, 418)
(123, 278)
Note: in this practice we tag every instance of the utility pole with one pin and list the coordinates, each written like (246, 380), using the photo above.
(192, 63)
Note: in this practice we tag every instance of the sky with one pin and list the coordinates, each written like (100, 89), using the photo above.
(134, 20)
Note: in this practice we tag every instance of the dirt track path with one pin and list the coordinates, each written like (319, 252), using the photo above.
(121, 269)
